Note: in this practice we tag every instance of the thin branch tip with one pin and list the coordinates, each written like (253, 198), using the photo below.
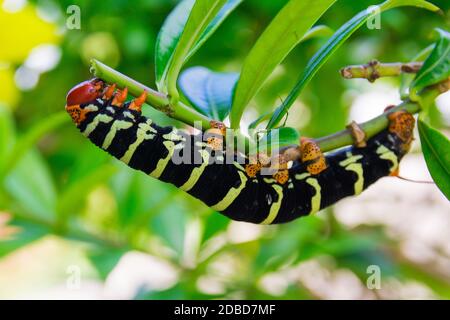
(374, 70)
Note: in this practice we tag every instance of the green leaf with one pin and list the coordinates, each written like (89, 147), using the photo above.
(214, 224)
(75, 194)
(86, 161)
(135, 203)
(105, 259)
(170, 226)
(7, 135)
(30, 138)
(436, 150)
(327, 50)
(168, 37)
(28, 232)
(315, 32)
(31, 185)
(437, 66)
(407, 78)
(285, 31)
(209, 92)
(214, 25)
(260, 119)
(278, 138)
(172, 29)
(202, 14)
(318, 32)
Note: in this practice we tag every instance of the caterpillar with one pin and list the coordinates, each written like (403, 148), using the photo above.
(303, 182)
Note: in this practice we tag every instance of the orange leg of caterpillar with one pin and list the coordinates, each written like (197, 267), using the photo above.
(402, 124)
(311, 154)
(256, 163)
(215, 135)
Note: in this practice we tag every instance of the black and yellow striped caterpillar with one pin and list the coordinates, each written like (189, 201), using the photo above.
(304, 180)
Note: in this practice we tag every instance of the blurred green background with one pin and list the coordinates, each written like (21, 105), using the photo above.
(75, 223)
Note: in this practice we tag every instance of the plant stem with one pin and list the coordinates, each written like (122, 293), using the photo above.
(374, 70)
(374, 126)
(189, 116)
(156, 99)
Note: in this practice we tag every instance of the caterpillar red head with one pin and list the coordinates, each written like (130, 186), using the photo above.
(95, 94)
(83, 93)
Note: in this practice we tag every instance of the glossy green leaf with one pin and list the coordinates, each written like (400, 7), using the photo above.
(226, 10)
(209, 92)
(436, 150)
(437, 66)
(278, 138)
(172, 29)
(406, 79)
(318, 32)
(202, 14)
(327, 50)
(285, 31)
(315, 32)
(168, 38)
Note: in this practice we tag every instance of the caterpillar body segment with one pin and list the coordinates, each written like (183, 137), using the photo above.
(227, 182)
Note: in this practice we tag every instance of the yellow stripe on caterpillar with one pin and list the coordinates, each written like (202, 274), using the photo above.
(232, 194)
(101, 118)
(315, 200)
(116, 126)
(386, 154)
(162, 163)
(275, 207)
(144, 132)
(196, 172)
